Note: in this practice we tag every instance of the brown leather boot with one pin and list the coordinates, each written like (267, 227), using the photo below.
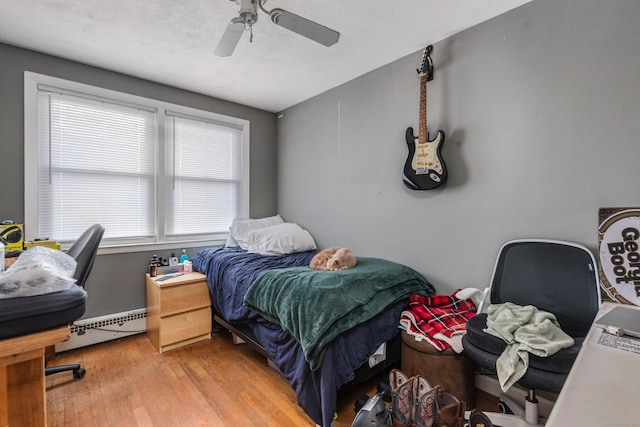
(401, 398)
(425, 413)
(479, 419)
(449, 410)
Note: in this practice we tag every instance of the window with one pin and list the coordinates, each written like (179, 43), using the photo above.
(150, 172)
(203, 175)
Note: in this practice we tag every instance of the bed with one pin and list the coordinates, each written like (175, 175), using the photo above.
(318, 328)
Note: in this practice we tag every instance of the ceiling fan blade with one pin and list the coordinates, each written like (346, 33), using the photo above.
(230, 38)
(304, 27)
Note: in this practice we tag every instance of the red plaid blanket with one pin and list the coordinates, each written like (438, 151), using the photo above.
(439, 319)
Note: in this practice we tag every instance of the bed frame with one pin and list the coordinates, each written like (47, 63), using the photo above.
(243, 334)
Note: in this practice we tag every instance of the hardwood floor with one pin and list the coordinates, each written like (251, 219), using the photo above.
(211, 383)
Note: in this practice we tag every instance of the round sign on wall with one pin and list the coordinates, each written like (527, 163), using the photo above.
(619, 253)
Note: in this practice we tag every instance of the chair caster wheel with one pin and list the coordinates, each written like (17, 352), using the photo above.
(79, 373)
(504, 408)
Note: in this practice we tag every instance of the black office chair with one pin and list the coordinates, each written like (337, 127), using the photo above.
(84, 252)
(557, 277)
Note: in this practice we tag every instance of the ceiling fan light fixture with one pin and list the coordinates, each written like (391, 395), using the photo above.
(249, 11)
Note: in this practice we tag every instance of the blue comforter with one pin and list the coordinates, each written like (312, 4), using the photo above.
(230, 273)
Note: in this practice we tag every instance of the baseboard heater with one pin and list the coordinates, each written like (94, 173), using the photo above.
(95, 330)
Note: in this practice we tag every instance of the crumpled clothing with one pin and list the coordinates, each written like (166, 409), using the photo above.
(526, 330)
(441, 320)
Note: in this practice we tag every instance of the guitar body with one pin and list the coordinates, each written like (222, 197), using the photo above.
(424, 168)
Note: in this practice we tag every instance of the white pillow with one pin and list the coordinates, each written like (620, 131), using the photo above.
(240, 228)
(280, 239)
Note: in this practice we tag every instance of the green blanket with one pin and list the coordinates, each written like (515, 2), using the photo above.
(317, 306)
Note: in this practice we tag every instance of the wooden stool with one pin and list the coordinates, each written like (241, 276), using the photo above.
(451, 371)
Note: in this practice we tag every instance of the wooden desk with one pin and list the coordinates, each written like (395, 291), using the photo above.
(22, 382)
(9, 261)
(603, 386)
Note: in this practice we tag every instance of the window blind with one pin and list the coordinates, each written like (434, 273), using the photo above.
(96, 164)
(203, 177)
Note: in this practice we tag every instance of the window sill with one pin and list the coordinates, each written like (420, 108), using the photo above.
(160, 246)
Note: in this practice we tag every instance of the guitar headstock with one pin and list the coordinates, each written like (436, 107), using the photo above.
(427, 64)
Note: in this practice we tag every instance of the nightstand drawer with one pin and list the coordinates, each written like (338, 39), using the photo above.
(176, 299)
(183, 326)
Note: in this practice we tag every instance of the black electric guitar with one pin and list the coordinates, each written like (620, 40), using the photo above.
(424, 168)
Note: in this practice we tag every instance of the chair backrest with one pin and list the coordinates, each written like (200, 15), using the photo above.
(554, 276)
(84, 252)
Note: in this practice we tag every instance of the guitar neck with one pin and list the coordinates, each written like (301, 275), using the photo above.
(423, 132)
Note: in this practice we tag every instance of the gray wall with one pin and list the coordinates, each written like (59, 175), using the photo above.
(541, 110)
(117, 281)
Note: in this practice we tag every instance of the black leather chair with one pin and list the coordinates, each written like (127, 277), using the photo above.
(84, 251)
(557, 277)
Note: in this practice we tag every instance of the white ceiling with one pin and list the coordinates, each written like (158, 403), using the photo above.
(172, 41)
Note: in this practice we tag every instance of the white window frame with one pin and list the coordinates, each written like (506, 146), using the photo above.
(162, 242)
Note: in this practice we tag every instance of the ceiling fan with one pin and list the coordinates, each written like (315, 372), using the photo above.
(249, 15)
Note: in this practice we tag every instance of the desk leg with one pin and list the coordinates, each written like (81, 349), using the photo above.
(4, 409)
(22, 393)
(22, 383)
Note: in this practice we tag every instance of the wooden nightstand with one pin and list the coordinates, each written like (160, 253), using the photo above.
(178, 311)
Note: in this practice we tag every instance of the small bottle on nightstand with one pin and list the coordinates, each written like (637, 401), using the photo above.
(153, 266)
(173, 259)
